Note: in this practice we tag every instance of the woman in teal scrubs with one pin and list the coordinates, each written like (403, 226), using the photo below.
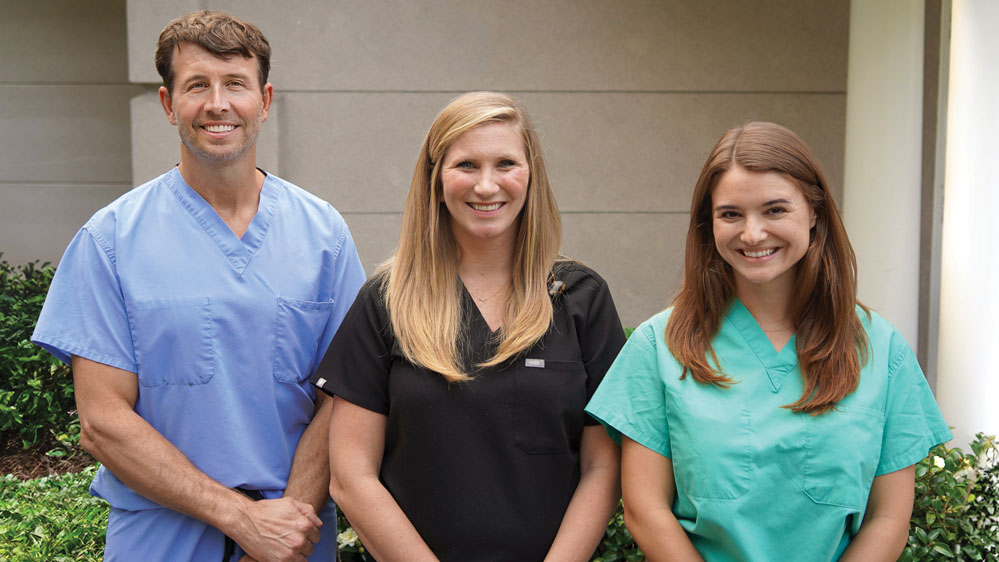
(767, 415)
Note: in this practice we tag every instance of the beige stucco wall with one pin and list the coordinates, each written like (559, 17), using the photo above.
(64, 95)
(629, 96)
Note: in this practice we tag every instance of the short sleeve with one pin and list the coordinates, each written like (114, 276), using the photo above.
(601, 337)
(84, 312)
(357, 364)
(913, 422)
(349, 277)
(631, 400)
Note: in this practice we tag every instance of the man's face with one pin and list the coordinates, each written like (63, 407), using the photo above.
(216, 104)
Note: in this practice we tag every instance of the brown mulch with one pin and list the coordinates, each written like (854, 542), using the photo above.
(28, 464)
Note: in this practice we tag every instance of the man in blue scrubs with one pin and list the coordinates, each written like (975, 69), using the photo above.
(193, 310)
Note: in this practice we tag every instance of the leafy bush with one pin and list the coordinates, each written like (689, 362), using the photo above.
(36, 390)
(618, 545)
(956, 510)
(51, 519)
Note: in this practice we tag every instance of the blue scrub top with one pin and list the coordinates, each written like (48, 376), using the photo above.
(223, 332)
(755, 481)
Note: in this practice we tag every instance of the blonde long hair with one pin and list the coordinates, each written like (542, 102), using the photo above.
(421, 287)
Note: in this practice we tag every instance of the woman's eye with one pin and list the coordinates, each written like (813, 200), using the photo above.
(507, 164)
(466, 165)
(728, 215)
(776, 211)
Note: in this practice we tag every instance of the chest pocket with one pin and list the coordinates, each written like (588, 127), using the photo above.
(297, 336)
(712, 451)
(842, 448)
(548, 405)
(173, 339)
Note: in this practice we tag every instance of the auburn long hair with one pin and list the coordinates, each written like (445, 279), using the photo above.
(421, 287)
(831, 342)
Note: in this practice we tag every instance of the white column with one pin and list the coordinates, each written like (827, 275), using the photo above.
(881, 191)
(968, 355)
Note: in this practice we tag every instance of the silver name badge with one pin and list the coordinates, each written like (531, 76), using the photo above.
(321, 382)
(537, 363)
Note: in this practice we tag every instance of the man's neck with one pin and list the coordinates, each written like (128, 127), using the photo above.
(231, 187)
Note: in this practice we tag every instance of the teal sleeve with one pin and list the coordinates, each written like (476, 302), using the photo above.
(631, 400)
(913, 422)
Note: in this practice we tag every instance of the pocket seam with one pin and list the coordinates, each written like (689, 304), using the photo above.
(281, 362)
(519, 440)
(807, 487)
(204, 307)
(747, 464)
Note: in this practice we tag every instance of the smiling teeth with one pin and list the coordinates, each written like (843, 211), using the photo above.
(486, 206)
(760, 254)
(219, 128)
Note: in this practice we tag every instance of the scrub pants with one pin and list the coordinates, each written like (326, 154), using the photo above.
(164, 535)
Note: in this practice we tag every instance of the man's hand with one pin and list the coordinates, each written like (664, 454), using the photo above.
(281, 530)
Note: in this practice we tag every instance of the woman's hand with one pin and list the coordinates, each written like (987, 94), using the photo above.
(357, 443)
(648, 486)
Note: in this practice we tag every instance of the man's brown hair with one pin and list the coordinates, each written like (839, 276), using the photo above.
(218, 33)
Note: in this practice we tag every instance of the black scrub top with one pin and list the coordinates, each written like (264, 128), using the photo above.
(484, 469)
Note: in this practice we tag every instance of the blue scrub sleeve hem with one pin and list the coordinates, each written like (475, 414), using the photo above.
(616, 427)
(917, 453)
(64, 351)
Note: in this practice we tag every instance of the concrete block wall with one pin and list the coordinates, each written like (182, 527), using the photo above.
(629, 96)
(64, 95)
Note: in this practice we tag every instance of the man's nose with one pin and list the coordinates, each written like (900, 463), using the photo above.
(217, 99)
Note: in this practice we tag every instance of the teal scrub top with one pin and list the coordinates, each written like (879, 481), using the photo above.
(755, 481)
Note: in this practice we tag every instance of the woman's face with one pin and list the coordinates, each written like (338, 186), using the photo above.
(761, 223)
(484, 178)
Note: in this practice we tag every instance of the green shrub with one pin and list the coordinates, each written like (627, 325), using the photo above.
(36, 390)
(51, 519)
(618, 545)
(956, 511)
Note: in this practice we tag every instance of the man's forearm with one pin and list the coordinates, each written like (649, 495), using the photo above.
(152, 466)
(309, 479)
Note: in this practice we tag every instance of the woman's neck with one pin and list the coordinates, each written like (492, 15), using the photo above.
(770, 306)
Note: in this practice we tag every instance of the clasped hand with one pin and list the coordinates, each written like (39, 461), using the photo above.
(279, 530)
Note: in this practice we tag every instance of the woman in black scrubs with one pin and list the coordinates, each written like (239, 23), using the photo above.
(461, 371)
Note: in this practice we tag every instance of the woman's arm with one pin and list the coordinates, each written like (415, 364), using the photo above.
(593, 502)
(648, 486)
(885, 528)
(357, 442)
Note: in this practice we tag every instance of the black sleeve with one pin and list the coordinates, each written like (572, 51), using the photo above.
(357, 364)
(598, 326)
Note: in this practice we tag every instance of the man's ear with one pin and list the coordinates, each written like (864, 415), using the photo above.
(268, 97)
(167, 104)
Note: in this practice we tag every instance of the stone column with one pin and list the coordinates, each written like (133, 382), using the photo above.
(968, 353)
(882, 177)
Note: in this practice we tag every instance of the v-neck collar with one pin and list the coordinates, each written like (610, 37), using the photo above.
(238, 251)
(473, 309)
(776, 364)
